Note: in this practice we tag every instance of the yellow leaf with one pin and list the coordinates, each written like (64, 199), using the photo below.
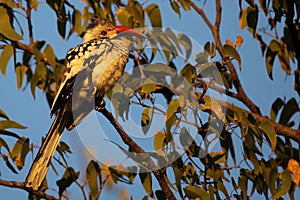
(293, 166)
(230, 43)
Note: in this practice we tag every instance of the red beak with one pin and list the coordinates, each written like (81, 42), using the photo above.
(130, 31)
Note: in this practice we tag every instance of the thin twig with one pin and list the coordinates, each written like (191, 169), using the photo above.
(241, 95)
(158, 173)
(21, 185)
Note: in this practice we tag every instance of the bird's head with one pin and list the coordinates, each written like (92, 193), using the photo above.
(102, 28)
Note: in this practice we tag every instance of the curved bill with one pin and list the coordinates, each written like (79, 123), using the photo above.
(130, 31)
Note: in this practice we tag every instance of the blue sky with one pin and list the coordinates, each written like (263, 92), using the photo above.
(35, 114)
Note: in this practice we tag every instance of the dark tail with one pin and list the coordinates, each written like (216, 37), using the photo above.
(42, 160)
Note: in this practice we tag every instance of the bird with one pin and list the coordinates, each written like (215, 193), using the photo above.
(93, 68)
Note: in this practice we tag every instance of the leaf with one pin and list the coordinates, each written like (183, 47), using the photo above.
(186, 4)
(154, 15)
(210, 49)
(178, 176)
(276, 106)
(193, 192)
(50, 56)
(146, 180)
(40, 73)
(124, 17)
(20, 73)
(6, 28)
(77, 21)
(20, 151)
(214, 106)
(4, 144)
(3, 115)
(175, 6)
(159, 140)
(67, 179)
(5, 124)
(171, 35)
(189, 73)
(239, 41)
(6, 53)
(230, 43)
(294, 167)
(272, 51)
(137, 11)
(252, 18)
(286, 184)
(289, 109)
(146, 119)
(263, 5)
(269, 130)
(232, 52)
(186, 42)
(243, 18)
(93, 172)
(174, 105)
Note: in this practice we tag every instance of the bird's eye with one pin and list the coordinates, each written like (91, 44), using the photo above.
(104, 33)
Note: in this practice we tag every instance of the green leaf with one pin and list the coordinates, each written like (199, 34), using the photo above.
(178, 176)
(146, 180)
(4, 144)
(171, 35)
(20, 73)
(5, 124)
(186, 4)
(137, 11)
(186, 42)
(6, 53)
(6, 28)
(67, 179)
(124, 17)
(154, 15)
(175, 6)
(252, 18)
(159, 140)
(276, 106)
(193, 192)
(189, 72)
(289, 109)
(271, 53)
(93, 172)
(174, 105)
(232, 52)
(77, 22)
(50, 56)
(39, 75)
(268, 129)
(20, 151)
(146, 119)
(285, 186)
(3, 115)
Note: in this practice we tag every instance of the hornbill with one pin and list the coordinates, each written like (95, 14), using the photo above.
(92, 69)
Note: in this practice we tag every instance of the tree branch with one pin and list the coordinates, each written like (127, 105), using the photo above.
(241, 95)
(28, 16)
(21, 185)
(158, 173)
(279, 128)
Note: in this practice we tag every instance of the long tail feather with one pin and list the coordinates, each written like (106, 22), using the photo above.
(42, 160)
